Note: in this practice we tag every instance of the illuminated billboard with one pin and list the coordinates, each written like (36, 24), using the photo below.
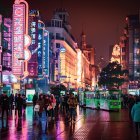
(18, 38)
(33, 62)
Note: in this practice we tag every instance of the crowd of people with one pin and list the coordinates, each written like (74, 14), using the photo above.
(132, 103)
(52, 104)
(67, 104)
(42, 103)
(15, 102)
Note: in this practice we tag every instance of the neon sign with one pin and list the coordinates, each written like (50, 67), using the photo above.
(18, 38)
(21, 39)
(40, 44)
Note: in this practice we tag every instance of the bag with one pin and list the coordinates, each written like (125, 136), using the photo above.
(36, 108)
(49, 107)
(54, 104)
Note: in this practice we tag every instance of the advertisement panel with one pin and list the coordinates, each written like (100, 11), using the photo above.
(29, 94)
(18, 38)
(32, 69)
(33, 62)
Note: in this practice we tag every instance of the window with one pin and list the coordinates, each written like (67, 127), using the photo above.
(57, 54)
(124, 49)
(56, 65)
(123, 57)
(57, 36)
(57, 45)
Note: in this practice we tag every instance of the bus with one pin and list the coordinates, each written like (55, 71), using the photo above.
(106, 100)
(110, 100)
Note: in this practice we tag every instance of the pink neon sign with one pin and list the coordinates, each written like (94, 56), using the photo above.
(18, 38)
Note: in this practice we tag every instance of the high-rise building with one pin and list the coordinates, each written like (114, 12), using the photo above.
(74, 65)
(0, 51)
(64, 49)
(133, 34)
(89, 62)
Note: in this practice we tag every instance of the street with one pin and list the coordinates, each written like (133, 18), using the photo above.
(90, 125)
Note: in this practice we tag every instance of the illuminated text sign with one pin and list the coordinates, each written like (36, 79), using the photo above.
(18, 38)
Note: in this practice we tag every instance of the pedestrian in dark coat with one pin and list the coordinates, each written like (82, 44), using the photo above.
(41, 104)
(11, 100)
(19, 104)
(35, 98)
(4, 104)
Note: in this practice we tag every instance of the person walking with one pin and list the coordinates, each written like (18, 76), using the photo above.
(11, 101)
(135, 113)
(41, 104)
(72, 102)
(35, 98)
(53, 104)
(19, 105)
(48, 107)
(24, 102)
(4, 106)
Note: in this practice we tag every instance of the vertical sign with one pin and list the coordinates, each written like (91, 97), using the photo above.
(33, 62)
(40, 50)
(18, 38)
(46, 52)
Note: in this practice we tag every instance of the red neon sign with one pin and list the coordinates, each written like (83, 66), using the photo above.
(18, 38)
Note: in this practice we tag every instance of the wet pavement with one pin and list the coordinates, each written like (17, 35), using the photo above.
(89, 125)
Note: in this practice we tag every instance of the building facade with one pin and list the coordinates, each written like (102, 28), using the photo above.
(74, 64)
(64, 48)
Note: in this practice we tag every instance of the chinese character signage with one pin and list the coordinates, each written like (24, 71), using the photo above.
(46, 52)
(18, 38)
(33, 62)
(40, 44)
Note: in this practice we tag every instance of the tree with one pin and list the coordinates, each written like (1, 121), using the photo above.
(112, 76)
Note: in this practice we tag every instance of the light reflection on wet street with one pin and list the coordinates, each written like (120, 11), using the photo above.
(90, 124)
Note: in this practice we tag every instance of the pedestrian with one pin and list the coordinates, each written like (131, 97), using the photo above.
(53, 103)
(0, 102)
(19, 105)
(24, 102)
(131, 102)
(41, 104)
(72, 101)
(66, 97)
(15, 102)
(48, 107)
(4, 104)
(11, 101)
(135, 113)
(35, 98)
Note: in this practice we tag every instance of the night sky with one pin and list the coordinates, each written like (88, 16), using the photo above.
(102, 22)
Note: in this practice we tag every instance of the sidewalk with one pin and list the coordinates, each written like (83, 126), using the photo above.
(90, 125)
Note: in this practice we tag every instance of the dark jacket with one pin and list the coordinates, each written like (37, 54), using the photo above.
(4, 102)
(19, 103)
